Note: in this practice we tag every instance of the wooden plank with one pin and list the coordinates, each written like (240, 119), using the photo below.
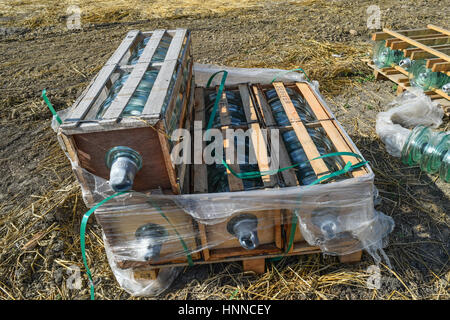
(431, 62)
(159, 91)
(419, 45)
(234, 183)
(125, 45)
(257, 139)
(441, 93)
(289, 176)
(351, 258)
(440, 39)
(116, 108)
(93, 92)
(442, 53)
(200, 171)
(319, 166)
(167, 160)
(408, 52)
(377, 36)
(441, 67)
(335, 137)
(256, 265)
(390, 41)
(438, 29)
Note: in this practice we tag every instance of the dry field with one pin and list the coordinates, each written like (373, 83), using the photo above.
(40, 202)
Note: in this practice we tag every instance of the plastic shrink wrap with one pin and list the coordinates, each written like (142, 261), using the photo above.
(149, 229)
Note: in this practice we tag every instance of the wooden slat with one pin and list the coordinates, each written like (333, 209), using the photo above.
(408, 52)
(116, 108)
(159, 91)
(335, 137)
(443, 52)
(441, 67)
(93, 92)
(257, 139)
(431, 62)
(377, 36)
(442, 93)
(441, 39)
(319, 166)
(200, 173)
(390, 41)
(123, 47)
(283, 160)
(234, 183)
(165, 148)
(438, 29)
(418, 45)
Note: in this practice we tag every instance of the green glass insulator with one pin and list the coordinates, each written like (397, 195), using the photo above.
(384, 57)
(444, 171)
(422, 77)
(434, 152)
(415, 145)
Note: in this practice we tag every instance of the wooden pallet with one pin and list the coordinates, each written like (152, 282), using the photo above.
(431, 43)
(274, 236)
(165, 110)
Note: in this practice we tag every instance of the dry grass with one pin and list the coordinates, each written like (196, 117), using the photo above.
(44, 13)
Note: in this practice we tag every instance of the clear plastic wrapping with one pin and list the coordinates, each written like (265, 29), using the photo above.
(150, 230)
(410, 109)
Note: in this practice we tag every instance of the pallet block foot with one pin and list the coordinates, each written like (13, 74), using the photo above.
(378, 75)
(351, 258)
(256, 265)
(146, 274)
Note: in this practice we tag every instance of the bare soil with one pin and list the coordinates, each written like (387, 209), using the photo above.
(39, 198)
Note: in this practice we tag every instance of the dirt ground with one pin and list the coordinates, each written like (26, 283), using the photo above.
(40, 199)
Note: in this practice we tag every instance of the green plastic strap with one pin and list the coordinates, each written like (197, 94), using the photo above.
(84, 222)
(287, 71)
(49, 105)
(258, 174)
(218, 97)
(186, 250)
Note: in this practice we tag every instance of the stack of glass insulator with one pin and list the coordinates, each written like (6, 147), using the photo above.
(422, 77)
(305, 172)
(137, 101)
(430, 150)
(384, 57)
(118, 84)
(217, 173)
(139, 98)
(159, 54)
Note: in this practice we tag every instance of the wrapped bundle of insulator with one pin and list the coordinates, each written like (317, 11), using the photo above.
(430, 150)
(422, 77)
(297, 155)
(385, 57)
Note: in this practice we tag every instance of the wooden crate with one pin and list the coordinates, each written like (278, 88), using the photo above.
(340, 141)
(431, 43)
(269, 221)
(274, 238)
(167, 106)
